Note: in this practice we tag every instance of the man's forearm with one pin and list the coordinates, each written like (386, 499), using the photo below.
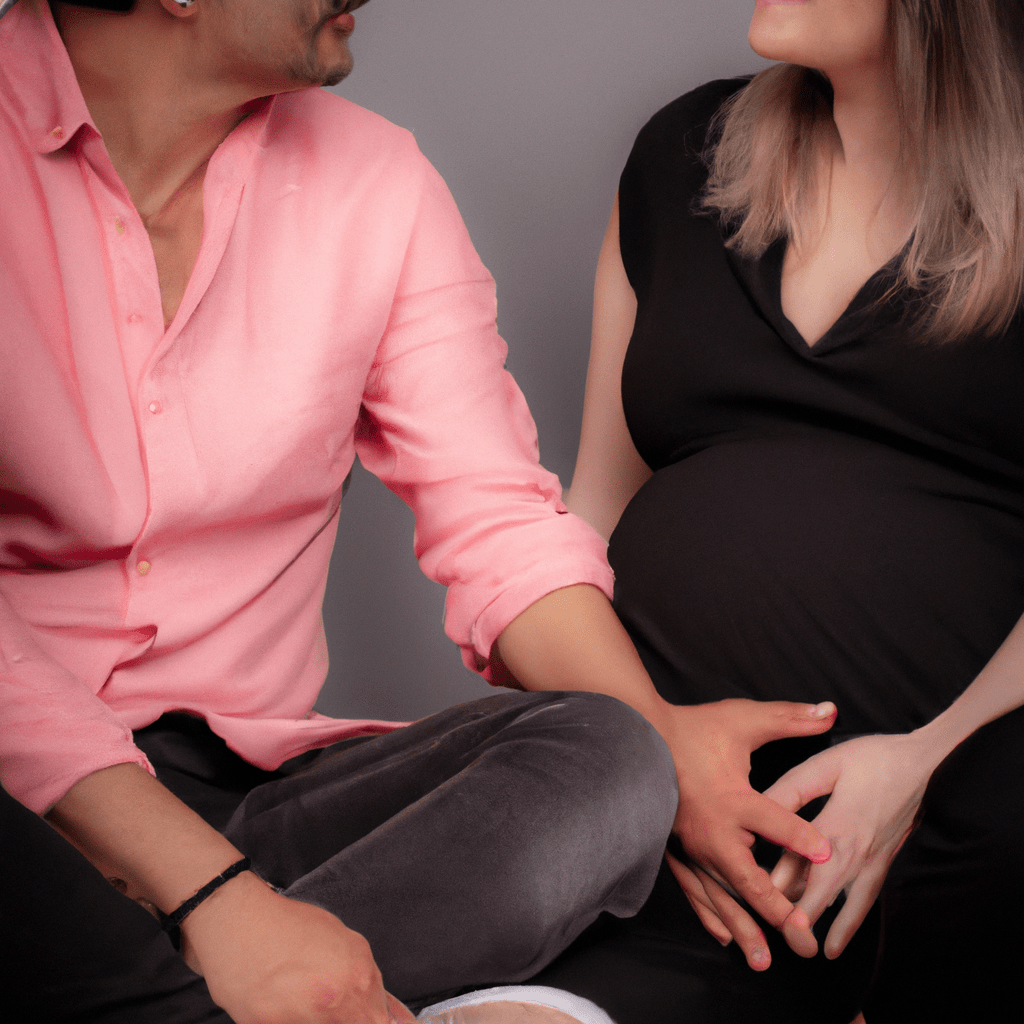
(130, 827)
(571, 639)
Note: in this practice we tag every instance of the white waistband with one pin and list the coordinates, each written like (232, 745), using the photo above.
(582, 1009)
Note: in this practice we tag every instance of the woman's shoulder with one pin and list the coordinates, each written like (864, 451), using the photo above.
(681, 127)
(666, 169)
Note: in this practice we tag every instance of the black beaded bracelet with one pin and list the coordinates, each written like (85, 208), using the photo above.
(170, 922)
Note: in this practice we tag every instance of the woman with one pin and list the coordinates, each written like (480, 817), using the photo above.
(809, 294)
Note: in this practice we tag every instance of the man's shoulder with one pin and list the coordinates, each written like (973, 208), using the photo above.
(333, 128)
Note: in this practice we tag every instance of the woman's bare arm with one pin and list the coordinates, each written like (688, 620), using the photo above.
(876, 785)
(609, 471)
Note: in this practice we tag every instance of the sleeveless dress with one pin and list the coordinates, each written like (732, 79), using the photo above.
(842, 522)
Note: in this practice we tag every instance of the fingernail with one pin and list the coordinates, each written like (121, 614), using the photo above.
(821, 854)
(759, 957)
(724, 942)
(822, 710)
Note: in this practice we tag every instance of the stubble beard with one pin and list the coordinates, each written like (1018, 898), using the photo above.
(311, 70)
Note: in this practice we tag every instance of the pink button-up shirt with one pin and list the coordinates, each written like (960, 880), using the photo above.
(169, 498)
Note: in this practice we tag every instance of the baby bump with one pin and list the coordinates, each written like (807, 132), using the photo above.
(810, 567)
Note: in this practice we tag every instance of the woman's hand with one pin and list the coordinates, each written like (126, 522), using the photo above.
(270, 959)
(876, 785)
(720, 814)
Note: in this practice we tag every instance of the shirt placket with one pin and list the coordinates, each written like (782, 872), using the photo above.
(138, 314)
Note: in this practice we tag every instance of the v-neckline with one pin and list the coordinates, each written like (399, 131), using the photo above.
(762, 280)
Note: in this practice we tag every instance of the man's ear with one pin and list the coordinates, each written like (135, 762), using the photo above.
(178, 8)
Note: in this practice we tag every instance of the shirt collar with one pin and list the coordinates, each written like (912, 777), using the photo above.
(36, 73)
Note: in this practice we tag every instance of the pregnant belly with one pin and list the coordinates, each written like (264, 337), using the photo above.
(812, 567)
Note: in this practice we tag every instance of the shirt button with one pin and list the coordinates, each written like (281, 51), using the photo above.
(142, 568)
(119, 225)
(155, 407)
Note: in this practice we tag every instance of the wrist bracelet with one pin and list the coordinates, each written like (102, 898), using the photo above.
(170, 922)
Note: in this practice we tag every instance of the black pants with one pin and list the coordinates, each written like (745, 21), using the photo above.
(469, 848)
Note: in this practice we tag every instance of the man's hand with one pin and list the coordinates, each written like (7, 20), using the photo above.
(877, 784)
(720, 814)
(268, 959)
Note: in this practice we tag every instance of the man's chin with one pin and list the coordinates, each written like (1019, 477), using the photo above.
(336, 75)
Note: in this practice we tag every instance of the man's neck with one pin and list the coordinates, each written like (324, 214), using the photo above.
(153, 94)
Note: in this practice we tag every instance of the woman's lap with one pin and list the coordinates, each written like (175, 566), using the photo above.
(662, 966)
(943, 945)
(953, 934)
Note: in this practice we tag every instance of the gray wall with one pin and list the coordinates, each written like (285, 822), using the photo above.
(528, 109)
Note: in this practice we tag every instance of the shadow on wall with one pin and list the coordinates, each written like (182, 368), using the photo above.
(529, 111)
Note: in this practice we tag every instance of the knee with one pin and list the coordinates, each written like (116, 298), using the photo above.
(610, 802)
(626, 769)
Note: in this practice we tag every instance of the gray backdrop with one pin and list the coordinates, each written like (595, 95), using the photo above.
(528, 109)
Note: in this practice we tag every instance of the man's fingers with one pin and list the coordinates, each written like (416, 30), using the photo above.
(785, 828)
(779, 719)
(743, 927)
(796, 930)
(399, 1011)
(698, 898)
(751, 883)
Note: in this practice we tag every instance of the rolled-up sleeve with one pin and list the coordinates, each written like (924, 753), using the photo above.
(445, 427)
(46, 708)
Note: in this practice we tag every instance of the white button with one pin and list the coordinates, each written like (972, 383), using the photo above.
(142, 568)
(155, 407)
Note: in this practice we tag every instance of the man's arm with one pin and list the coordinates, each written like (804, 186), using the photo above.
(265, 957)
(572, 640)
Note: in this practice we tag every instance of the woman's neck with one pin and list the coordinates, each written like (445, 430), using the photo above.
(868, 182)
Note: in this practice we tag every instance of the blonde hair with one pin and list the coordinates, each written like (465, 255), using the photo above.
(960, 89)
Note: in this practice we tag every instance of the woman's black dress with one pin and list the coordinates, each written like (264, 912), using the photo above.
(842, 522)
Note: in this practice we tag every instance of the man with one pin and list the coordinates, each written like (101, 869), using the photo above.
(220, 285)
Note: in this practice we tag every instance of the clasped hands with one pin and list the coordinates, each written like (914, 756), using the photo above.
(876, 785)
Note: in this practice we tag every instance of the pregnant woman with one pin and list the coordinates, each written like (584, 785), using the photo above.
(804, 433)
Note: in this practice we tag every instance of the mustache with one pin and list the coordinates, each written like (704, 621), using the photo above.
(346, 6)
(336, 8)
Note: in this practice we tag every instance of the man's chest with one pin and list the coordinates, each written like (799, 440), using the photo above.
(176, 232)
